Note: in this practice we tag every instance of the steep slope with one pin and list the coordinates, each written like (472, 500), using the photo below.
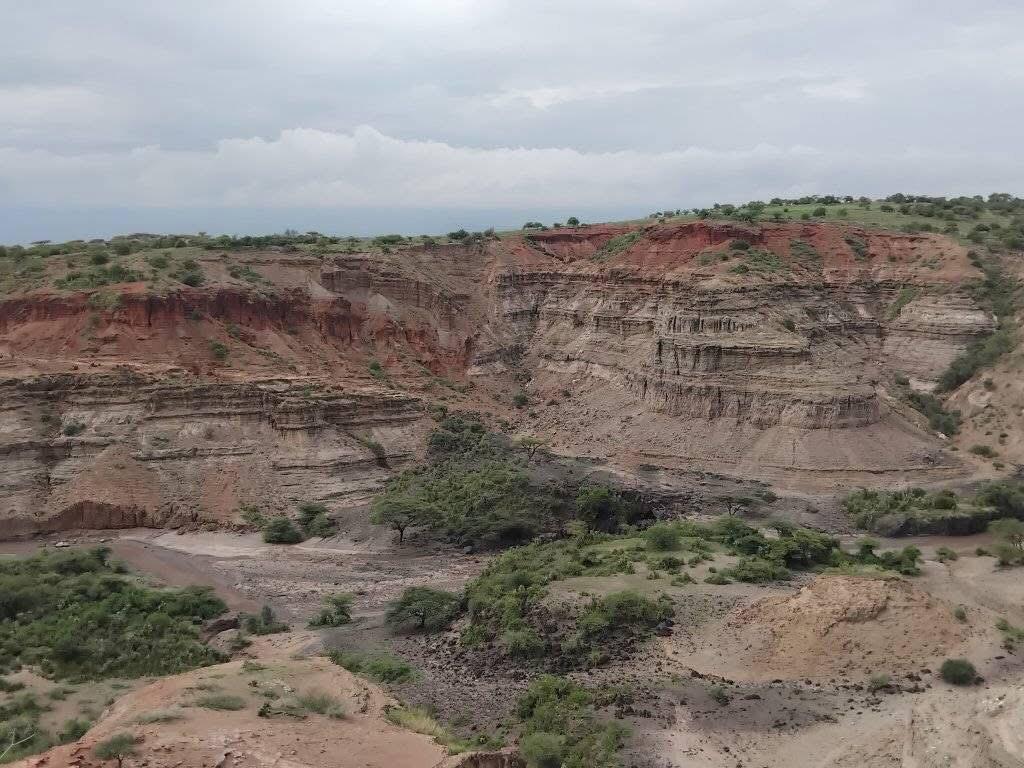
(762, 351)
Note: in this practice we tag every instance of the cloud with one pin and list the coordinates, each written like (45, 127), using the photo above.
(845, 89)
(306, 168)
(549, 96)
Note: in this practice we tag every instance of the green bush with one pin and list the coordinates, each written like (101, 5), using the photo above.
(663, 537)
(600, 507)
(939, 419)
(522, 643)
(542, 750)
(117, 747)
(382, 667)
(555, 705)
(314, 521)
(265, 623)
(337, 613)
(281, 530)
(756, 570)
(958, 672)
(423, 609)
(618, 614)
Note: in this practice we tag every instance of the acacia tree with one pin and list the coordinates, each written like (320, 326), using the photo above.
(531, 445)
(397, 513)
(117, 747)
(424, 609)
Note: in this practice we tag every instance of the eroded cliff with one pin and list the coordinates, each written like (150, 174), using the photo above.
(766, 352)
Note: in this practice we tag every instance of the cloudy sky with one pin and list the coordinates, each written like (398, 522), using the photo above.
(424, 115)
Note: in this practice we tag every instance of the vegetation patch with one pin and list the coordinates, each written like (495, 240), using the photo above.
(74, 616)
(958, 672)
(560, 729)
(618, 244)
(478, 491)
(915, 511)
(380, 666)
(939, 419)
(759, 260)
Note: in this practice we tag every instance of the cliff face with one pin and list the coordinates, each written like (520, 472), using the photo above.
(759, 351)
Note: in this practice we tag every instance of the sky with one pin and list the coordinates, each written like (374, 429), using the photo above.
(412, 116)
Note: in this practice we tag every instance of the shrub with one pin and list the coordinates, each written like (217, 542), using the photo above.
(663, 537)
(983, 451)
(218, 350)
(719, 695)
(281, 530)
(600, 507)
(1010, 530)
(960, 613)
(943, 554)
(337, 612)
(314, 521)
(423, 609)
(939, 419)
(73, 428)
(958, 672)
(755, 570)
(117, 747)
(322, 703)
(265, 623)
(520, 400)
(522, 643)
(878, 682)
(555, 705)
(542, 750)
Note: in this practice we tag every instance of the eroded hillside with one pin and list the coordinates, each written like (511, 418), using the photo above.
(175, 385)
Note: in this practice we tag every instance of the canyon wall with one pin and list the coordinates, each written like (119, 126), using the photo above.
(766, 352)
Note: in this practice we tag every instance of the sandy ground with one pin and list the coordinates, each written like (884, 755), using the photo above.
(195, 735)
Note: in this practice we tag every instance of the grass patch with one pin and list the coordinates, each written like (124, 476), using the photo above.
(380, 666)
(420, 720)
(170, 715)
(905, 296)
(221, 701)
(321, 703)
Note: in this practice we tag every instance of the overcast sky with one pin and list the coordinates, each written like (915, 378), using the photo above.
(424, 115)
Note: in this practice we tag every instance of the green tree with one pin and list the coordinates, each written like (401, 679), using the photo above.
(117, 747)
(1009, 530)
(572, 221)
(599, 507)
(424, 609)
(396, 512)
